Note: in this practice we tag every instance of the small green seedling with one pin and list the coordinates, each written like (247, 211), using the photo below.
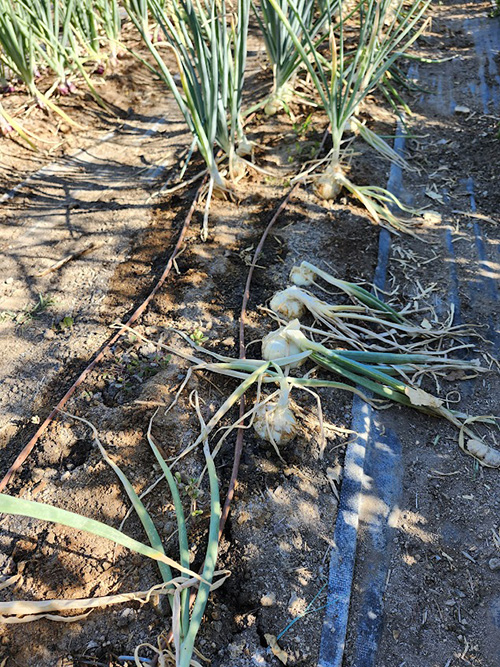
(198, 336)
(192, 490)
(66, 323)
(301, 129)
(29, 313)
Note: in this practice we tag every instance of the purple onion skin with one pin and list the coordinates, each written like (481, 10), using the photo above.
(9, 88)
(71, 87)
(63, 89)
(6, 130)
(99, 70)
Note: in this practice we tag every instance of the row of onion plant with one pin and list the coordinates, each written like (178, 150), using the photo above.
(199, 51)
(308, 20)
(201, 57)
(46, 44)
(205, 44)
(381, 31)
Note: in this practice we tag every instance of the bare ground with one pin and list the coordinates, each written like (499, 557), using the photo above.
(442, 600)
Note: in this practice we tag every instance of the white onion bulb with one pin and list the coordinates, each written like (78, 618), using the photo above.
(272, 107)
(275, 422)
(286, 303)
(245, 148)
(238, 169)
(276, 344)
(327, 188)
(302, 276)
(329, 184)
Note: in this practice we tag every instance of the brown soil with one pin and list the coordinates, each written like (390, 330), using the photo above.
(442, 601)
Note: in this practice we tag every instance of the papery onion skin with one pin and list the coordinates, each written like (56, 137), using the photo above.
(245, 148)
(238, 169)
(277, 348)
(329, 184)
(287, 305)
(273, 107)
(302, 276)
(276, 345)
(275, 422)
(327, 188)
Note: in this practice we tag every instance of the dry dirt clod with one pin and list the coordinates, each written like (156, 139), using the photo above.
(268, 600)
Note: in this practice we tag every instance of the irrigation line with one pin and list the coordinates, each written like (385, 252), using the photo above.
(360, 462)
(21, 458)
(246, 295)
(383, 464)
(239, 438)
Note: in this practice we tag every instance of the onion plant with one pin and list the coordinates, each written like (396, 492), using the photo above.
(385, 374)
(86, 26)
(111, 26)
(369, 324)
(305, 274)
(50, 23)
(383, 30)
(185, 624)
(208, 43)
(283, 55)
(18, 50)
(34, 34)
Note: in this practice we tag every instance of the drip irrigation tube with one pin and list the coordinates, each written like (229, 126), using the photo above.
(25, 452)
(376, 451)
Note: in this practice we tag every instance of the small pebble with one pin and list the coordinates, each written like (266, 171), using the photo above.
(494, 564)
(126, 617)
(38, 474)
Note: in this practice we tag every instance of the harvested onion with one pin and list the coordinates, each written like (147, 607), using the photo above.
(329, 184)
(286, 303)
(275, 422)
(277, 345)
(302, 276)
